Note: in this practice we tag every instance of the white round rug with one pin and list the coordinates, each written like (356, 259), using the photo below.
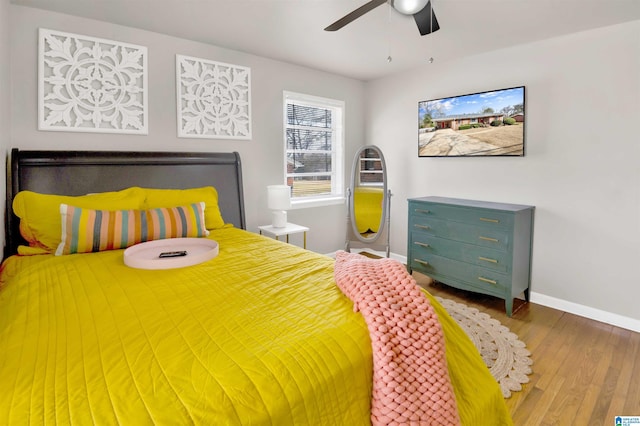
(502, 351)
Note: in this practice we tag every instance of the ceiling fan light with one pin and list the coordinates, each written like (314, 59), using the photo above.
(409, 7)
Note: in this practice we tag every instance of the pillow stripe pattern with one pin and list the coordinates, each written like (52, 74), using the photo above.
(87, 230)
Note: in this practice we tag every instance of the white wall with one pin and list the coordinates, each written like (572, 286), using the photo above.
(582, 163)
(5, 98)
(262, 156)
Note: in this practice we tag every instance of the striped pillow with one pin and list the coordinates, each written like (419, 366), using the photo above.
(86, 230)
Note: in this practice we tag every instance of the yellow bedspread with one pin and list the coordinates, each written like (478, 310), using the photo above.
(259, 335)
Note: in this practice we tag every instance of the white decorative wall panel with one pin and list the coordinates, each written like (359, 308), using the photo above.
(214, 99)
(88, 84)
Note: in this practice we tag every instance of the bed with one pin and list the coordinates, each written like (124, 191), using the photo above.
(258, 335)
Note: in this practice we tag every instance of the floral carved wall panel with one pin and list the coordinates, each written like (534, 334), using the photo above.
(88, 84)
(214, 99)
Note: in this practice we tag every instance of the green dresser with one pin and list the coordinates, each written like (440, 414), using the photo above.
(472, 245)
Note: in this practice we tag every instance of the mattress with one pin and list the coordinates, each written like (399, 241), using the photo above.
(258, 335)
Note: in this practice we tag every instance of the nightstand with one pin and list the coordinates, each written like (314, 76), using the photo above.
(290, 229)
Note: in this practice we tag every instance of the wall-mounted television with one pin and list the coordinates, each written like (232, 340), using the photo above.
(487, 123)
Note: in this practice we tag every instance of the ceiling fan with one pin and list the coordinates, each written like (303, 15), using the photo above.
(420, 9)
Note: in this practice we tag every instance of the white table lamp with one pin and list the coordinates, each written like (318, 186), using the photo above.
(279, 201)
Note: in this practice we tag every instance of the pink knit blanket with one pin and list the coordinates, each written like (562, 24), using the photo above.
(410, 378)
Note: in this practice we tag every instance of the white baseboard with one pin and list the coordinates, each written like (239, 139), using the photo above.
(586, 311)
(562, 305)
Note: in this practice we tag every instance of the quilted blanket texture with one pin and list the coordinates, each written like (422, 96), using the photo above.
(411, 383)
(259, 335)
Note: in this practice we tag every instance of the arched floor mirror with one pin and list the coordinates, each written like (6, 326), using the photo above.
(368, 202)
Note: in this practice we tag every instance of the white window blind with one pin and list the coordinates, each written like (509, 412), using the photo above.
(313, 147)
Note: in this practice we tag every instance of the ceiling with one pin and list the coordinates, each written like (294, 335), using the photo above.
(292, 30)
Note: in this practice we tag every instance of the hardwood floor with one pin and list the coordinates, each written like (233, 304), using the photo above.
(584, 372)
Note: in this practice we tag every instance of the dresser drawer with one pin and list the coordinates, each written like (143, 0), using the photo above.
(425, 245)
(452, 271)
(496, 238)
(473, 245)
(473, 216)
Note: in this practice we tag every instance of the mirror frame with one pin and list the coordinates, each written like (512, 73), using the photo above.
(355, 170)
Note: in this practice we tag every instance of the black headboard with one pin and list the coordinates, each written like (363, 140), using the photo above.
(83, 172)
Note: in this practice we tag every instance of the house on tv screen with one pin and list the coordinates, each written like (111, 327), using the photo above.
(455, 121)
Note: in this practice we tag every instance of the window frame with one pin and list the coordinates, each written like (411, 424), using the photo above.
(337, 108)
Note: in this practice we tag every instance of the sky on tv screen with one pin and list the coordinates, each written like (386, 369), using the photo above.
(474, 103)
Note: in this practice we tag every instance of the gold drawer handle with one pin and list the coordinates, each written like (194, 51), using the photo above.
(422, 211)
(418, 243)
(493, 240)
(422, 262)
(423, 226)
(486, 259)
(484, 219)
(487, 280)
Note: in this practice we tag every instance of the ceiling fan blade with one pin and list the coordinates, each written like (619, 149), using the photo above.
(426, 20)
(350, 17)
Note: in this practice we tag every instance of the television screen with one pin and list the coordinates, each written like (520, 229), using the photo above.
(479, 124)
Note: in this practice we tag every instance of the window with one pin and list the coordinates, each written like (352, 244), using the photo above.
(313, 140)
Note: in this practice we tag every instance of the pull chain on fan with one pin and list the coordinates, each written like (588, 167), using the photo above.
(389, 57)
(431, 26)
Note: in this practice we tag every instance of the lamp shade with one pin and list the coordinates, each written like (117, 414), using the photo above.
(409, 7)
(278, 197)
